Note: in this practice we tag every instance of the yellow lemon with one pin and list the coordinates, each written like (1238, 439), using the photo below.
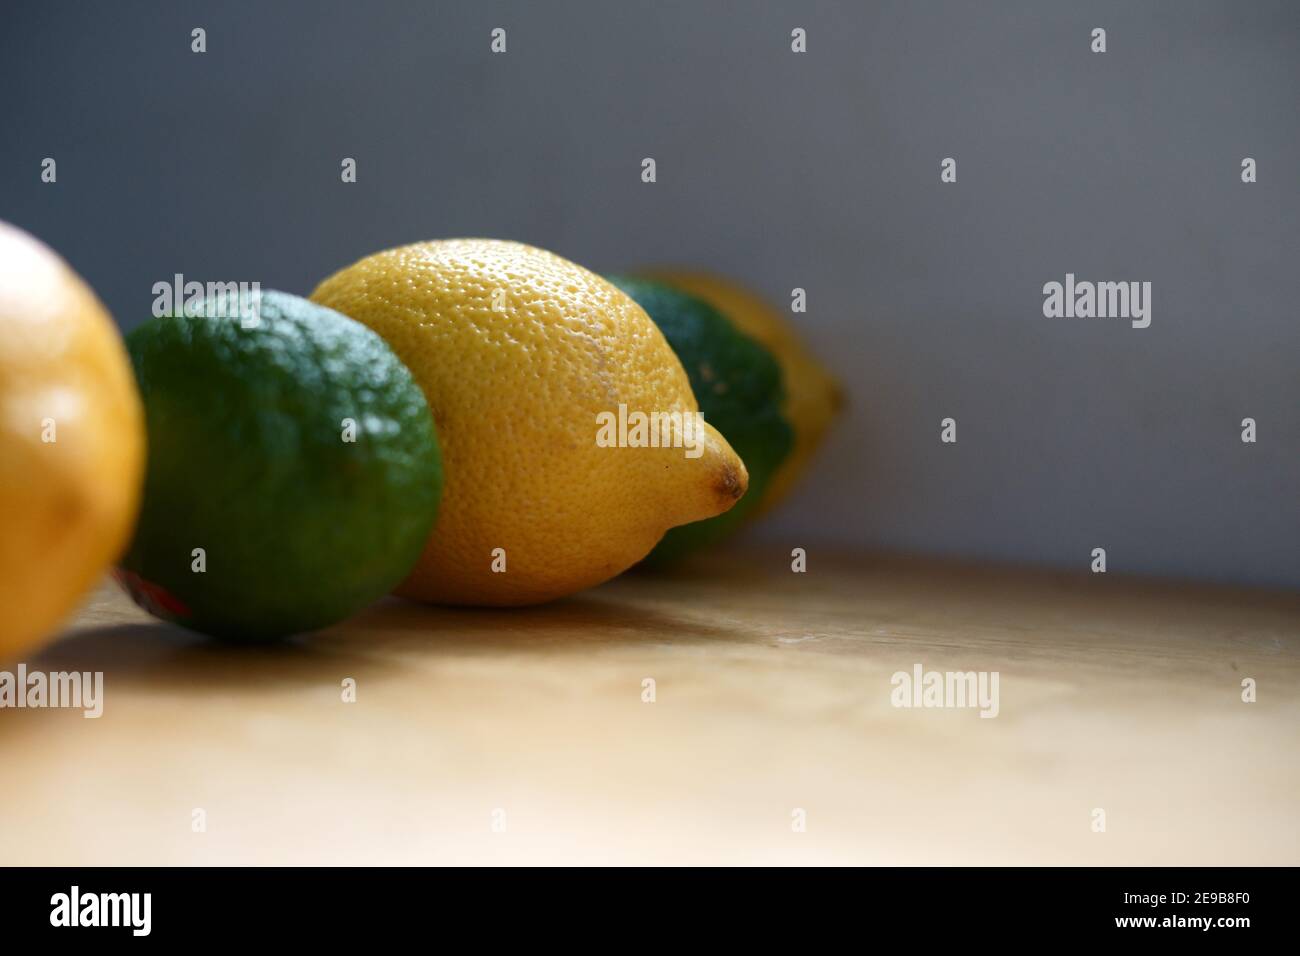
(71, 441)
(812, 395)
(538, 373)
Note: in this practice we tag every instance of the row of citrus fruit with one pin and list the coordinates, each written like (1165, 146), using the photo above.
(425, 423)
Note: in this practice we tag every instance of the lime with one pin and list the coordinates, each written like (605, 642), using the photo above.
(293, 469)
(738, 385)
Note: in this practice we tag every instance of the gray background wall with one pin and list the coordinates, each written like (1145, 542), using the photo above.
(817, 170)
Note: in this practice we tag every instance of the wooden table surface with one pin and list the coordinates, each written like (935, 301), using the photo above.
(521, 736)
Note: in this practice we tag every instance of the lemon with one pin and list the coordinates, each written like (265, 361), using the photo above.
(522, 355)
(812, 395)
(71, 441)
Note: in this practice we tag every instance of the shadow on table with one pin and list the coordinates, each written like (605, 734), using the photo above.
(371, 643)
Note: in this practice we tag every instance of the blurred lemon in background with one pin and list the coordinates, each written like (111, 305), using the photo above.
(813, 397)
(520, 352)
(71, 441)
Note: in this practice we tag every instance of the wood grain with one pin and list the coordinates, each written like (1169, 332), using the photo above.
(772, 693)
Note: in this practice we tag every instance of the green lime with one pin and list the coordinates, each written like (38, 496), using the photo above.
(738, 385)
(293, 469)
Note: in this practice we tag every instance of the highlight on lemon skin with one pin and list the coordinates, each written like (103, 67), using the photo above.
(518, 350)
